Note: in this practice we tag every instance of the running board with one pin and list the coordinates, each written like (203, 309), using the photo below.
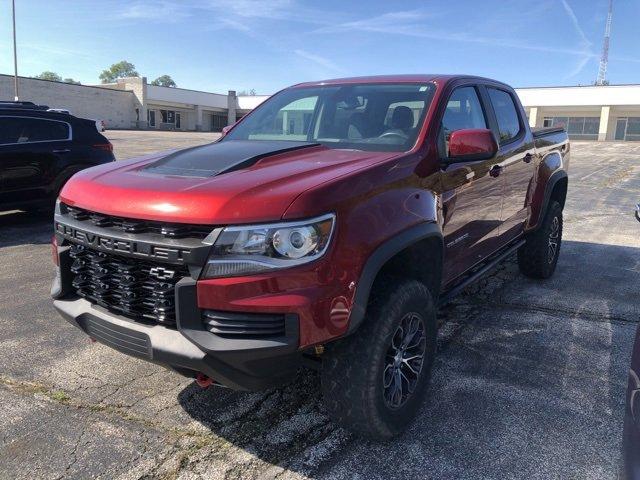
(450, 294)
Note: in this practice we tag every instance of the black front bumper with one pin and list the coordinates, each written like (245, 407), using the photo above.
(241, 364)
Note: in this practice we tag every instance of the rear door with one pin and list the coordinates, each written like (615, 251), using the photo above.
(517, 159)
(471, 198)
(9, 133)
(32, 158)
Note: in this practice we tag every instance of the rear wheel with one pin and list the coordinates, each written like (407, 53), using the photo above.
(374, 381)
(47, 207)
(538, 257)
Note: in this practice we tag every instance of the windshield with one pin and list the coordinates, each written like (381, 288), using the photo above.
(378, 117)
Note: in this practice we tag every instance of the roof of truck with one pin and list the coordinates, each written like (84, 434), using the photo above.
(410, 78)
(407, 78)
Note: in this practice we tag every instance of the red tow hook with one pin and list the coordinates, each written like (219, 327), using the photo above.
(203, 381)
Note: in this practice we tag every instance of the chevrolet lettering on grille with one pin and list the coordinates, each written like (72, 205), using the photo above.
(123, 246)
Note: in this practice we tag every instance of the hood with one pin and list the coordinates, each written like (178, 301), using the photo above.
(232, 181)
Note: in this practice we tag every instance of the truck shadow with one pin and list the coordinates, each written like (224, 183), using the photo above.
(22, 228)
(525, 369)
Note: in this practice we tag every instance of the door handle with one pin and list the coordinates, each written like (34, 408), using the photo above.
(496, 170)
(527, 158)
(62, 150)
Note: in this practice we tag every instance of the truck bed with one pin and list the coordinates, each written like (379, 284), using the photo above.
(542, 131)
(549, 136)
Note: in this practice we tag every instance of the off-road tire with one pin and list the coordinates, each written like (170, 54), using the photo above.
(353, 371)
(538, 258)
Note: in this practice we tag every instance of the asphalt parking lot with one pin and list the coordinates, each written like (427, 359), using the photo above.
(529, 381)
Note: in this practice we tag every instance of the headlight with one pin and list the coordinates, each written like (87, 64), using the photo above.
(246, 250)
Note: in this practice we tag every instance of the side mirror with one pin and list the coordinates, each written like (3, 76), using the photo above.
(472, 144)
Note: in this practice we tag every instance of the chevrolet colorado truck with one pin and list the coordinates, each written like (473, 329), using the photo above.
(323, 229)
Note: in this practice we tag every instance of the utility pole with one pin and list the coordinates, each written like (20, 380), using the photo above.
(604, 60)
(15, 54)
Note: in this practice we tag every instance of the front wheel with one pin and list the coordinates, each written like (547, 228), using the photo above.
(374, 381)
(538, 257)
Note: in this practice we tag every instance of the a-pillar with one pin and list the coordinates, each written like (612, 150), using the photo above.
(604, 123)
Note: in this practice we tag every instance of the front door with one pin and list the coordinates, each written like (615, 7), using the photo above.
(471, 197)
(517, 161)
(177, 120)
(621, 129)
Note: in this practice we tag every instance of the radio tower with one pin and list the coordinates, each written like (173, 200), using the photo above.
(604, 60)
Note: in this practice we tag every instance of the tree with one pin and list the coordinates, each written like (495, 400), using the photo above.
(118, 70)
(47, 75)
(54, 77)
(164, 81)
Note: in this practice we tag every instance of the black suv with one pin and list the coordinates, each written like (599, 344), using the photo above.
(41, 150)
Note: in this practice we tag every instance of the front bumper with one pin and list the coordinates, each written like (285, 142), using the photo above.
(239, 364)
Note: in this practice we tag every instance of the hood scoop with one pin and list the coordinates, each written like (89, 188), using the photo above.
(221, 157)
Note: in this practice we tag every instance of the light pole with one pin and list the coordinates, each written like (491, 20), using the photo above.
(15, 54)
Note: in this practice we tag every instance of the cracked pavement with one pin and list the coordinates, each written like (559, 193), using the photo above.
(529, 380)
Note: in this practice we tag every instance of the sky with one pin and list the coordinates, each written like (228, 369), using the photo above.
(220, 45)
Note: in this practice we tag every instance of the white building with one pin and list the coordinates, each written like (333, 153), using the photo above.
(172, 108)
(608, 112)
(133, 103)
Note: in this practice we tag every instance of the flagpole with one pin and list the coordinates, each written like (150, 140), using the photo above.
(15, 54)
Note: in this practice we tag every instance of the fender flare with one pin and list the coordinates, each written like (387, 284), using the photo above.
(381, 255)
(548, 189)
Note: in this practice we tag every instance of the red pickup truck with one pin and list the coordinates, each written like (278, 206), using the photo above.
(323, 229)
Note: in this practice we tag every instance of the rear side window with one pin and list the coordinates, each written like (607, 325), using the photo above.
(506, 114)
(29, 130)
(10, 128)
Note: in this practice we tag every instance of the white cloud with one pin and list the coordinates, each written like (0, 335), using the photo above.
(575, 23)
(411, 23)
(585, 44)
(155, 11)
(274, 9)
(407, 22)
(323, 62)
(52, 50)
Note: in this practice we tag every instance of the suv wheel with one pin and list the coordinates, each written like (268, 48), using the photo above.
(374, 381)
(538, 257)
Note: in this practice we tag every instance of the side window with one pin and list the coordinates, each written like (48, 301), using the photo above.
(464, 110)
(41, 130)
(10, 128)
(27, 130)
(506, 114)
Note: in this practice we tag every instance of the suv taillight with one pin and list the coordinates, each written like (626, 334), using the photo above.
(107, 147)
